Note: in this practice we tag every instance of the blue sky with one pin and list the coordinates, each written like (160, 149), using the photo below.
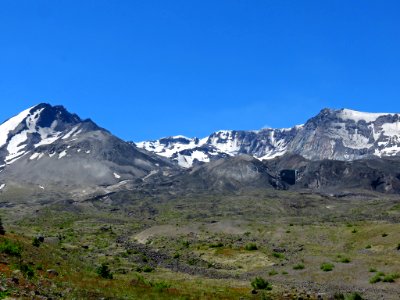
(147, 69)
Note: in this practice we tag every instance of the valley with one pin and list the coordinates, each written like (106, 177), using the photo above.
(213, 246)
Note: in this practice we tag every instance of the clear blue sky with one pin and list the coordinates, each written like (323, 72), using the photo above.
(147, 69)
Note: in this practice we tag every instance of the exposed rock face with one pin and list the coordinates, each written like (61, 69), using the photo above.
(333, 134)
(348, 135)
(375, 174)
(48, 146)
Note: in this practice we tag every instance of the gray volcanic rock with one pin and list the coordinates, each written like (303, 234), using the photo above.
(50, 148)
(231, 174)
(375, 174)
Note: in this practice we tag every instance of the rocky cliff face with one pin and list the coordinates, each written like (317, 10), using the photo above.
(333, 134)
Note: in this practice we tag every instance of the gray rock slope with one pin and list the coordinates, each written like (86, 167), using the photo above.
(49, 148)
(333, 134)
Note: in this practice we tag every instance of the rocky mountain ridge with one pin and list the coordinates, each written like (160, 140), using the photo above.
(46, 147)
(343, 134)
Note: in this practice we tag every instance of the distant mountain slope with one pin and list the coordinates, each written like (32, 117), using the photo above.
(48, 147)
(333, 134)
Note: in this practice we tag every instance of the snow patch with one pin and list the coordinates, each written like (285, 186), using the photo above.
(117, 175)
(348, 114)
(62, 154)
(2, 186)
(391, 129)
(70, 133)
(11, 125)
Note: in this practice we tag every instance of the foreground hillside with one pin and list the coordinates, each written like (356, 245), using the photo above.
(207, 247)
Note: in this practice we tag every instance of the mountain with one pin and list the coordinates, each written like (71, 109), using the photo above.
(46, 147)
(343, 134)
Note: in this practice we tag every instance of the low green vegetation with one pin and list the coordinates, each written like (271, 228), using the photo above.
(104, 272)
(278, 255)
(11, 248)
(273, 272)
(327, 267)
(260, 283)
(251, 247)
(298, 267)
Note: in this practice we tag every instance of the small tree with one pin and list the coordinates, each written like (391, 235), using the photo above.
(2, 230)
(104, 272)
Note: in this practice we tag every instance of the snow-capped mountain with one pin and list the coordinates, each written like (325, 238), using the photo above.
(46, 146)
(333, 134)
(262, 144)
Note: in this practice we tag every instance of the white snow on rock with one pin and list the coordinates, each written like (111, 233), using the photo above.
(117, 175)
(2, 186)
(70, 133)
(348, 114)
(62, 154)
(11, 124)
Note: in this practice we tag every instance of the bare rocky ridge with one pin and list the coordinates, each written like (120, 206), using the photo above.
(50, 148)
(333, 134)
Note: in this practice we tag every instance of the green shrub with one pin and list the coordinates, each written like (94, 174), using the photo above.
(217, 245)
(372, 270)
(398, 246)
(10, 248)
(260, 283)
(345, 260)
(376, 278)
(4, 294)
(391, 277)
(338, 296)
(27, 270)
(368, 247)
(384, 234)
(104, 272)
(36, 242)
(160, 285)
(298, 267)
(354, 296)
(148, 269)
(251, 247)
(177, 255)
(278, 255)
(327, 267)
(272, 273)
